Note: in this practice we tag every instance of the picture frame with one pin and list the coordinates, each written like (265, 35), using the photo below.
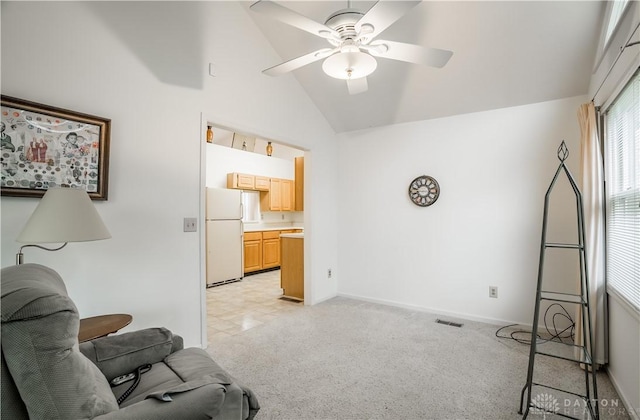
(44, 147)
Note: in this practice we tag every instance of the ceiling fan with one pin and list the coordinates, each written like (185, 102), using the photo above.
(351, 34)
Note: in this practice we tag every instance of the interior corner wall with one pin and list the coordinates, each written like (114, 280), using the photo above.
(145, 66)
(484, 230)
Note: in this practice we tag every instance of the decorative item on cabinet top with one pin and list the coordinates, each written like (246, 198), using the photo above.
(209, 134)
(424, 191)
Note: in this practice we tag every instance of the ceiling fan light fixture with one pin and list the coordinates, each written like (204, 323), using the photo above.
(349, 65)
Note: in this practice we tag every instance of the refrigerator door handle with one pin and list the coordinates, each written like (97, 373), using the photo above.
(241, 210)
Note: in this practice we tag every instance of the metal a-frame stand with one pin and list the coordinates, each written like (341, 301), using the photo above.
(559, 349)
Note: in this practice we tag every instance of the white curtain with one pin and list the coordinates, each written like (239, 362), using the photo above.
(592, 189)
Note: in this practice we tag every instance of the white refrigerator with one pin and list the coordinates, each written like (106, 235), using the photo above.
(225, 248)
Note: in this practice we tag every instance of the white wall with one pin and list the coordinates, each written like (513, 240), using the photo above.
(624, 351)
(493, 169)
(144, 65)
(222, 160)
(225, 138)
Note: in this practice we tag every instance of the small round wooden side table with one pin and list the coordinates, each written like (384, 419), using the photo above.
(100, 326)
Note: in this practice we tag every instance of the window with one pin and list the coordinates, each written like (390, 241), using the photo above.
(617, 9)
(622, 162)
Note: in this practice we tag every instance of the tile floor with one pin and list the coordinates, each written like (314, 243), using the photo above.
(236, 307)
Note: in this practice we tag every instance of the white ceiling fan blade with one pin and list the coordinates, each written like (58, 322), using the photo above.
(288, 16)
(358, 85)
(298, 62)
(410, 53)
(382, 15)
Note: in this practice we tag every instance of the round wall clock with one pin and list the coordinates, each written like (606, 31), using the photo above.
(424, 191)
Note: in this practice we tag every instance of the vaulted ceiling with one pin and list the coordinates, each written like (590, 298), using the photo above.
(506, 53)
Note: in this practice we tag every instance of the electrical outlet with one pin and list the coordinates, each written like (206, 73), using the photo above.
(190, 224)
(329, 273)
(493, 291)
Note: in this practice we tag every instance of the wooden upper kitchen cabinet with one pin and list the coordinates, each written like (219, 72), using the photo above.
(275, 195)
(252, 251)
(299, 184)
(280, 196)
(286, 195)
(262, 183)
(270, 249)
(241, 181)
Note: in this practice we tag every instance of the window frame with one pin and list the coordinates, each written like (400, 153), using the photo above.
(632, 306)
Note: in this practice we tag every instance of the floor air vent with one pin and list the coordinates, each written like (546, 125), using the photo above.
(450, 323)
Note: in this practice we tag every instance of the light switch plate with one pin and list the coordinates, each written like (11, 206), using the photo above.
(190, 224)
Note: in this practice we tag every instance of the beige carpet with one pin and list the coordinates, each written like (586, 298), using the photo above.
(347, 359)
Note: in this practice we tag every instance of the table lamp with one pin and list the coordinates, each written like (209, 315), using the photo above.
(63, 215)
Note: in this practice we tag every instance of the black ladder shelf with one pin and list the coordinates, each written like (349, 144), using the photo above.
(582, 354)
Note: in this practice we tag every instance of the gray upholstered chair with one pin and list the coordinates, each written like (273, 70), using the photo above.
(46, 374)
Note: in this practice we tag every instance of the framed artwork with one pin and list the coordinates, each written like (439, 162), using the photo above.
(44, 147)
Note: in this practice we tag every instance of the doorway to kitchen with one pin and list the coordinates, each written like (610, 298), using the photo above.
(237, 307)
(256, 169)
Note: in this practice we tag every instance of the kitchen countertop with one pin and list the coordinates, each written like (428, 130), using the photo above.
(292, 235)
(262, 228)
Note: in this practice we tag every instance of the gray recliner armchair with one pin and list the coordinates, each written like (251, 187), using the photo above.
(46, 374)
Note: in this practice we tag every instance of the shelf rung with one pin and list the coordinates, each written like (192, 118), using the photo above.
(560, 293)
(565, 351)
(556, 245)
(564, 301)
(561, 390)
(562, 297)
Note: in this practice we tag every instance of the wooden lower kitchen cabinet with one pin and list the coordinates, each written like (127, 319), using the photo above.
(252, 251)
(292, 266)
(270, 249)
(263, 250)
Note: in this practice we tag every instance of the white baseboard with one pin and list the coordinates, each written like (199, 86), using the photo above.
(435, 311)
(324, 299)
(634, 413)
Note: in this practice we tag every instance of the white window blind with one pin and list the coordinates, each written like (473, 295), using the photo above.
(622, 150)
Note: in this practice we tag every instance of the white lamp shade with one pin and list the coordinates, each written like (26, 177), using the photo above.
(64, 215)
(349, 65)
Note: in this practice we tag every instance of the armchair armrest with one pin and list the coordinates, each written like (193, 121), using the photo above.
(119, 354)
(201, 403)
